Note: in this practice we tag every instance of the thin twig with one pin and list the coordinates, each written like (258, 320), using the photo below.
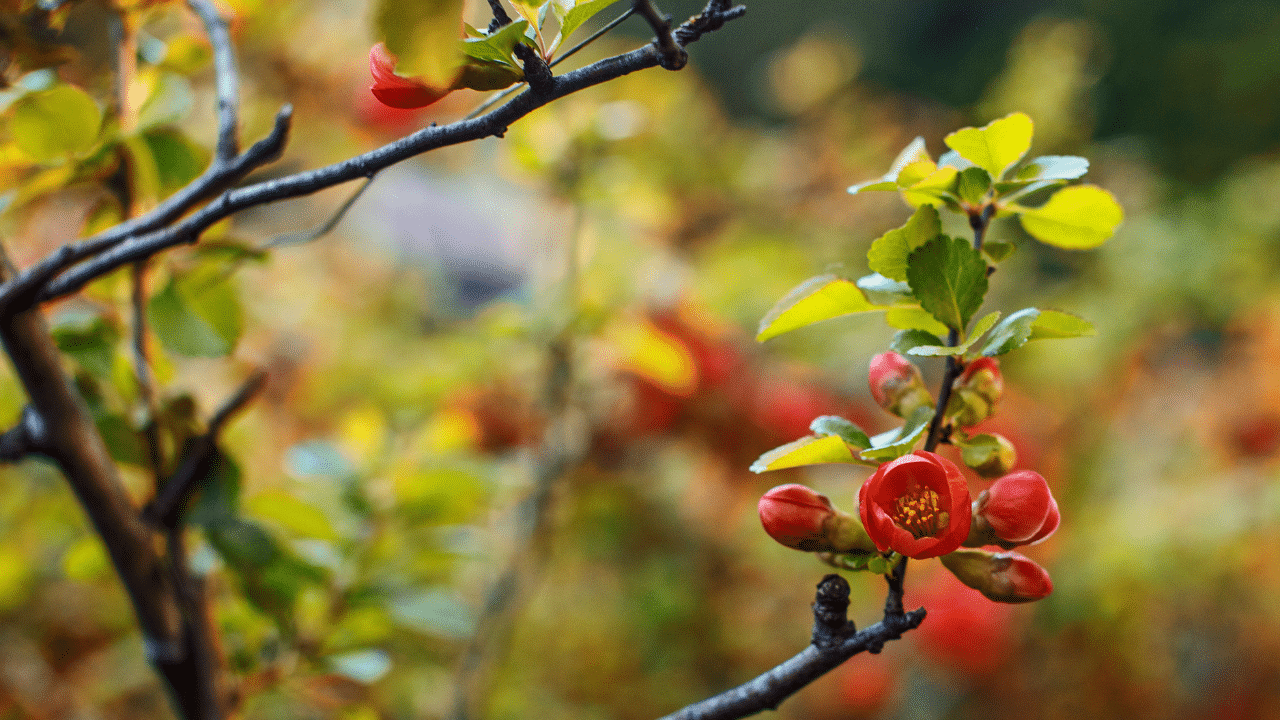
(188, 230)
(500, 16)
(674, 56)
(226, 78)
(303, 237)
(142, 369)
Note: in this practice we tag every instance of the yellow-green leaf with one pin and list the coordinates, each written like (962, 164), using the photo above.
(914, 318)
(996, 146)
(1075, 218)
(292, 514)
(55, 124)
(816, 299)
(888, 254)
(912, 153)
(1055, 324)
(423, 35)
(808, 450)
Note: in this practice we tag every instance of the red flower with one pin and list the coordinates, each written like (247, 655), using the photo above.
(1004, 577)
(796, 516)
(394, 90)
(1017, 509)
(917, 505)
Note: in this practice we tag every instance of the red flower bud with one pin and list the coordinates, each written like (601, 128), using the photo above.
(1004, 577)
(394, 90)
(804, 519)
(976, 392)
(896, 384)
(1017, 509)
(917, 505)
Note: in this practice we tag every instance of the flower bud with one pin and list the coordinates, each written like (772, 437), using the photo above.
(896, 384)
(804, 519)
(1003, 577)
(990, 454)
(1017, 509)
(976, 392)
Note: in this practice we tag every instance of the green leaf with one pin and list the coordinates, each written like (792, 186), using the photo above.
(996, 146)
(906, 340)
(292, 514)
(938, 187)
(573, 14)
(846, 430)
(90, 340)
(972, 185)
(219, 498)
(888, 254)
(198, 315)
(531, 12)
(913, 152)
(816, 299)
(914, 318)
(978, 450)
(124, 444)
(1075, 218)
(1055, 324)
(178, 159)
(997, 250)
(423, 35)
(169, 102)
(808, 450)
(949, 279)
(499, 46)
(940, 350)
(883, 291)
(245, 546)
(55, 124)
(895, 443)
(1011, 333)
(363, 666)
(1054, 167)
(434, 612)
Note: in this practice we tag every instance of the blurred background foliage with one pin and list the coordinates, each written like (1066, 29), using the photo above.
(501, 457)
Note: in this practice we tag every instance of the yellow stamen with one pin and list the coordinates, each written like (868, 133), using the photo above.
(917, 512)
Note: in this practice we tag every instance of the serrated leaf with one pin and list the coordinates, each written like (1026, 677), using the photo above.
(949, 278)
(55, 124)
(1053, 167)
(895, 443)
(884, 291)
(906, 340)
(913, 152)
(808, 450)
(972, 185)
(997, 250)
(423, 35)
(1079, 217)
(1055, 324)
(888, 253)
(996, 146)
(1010, 333)
(848, 431)
(914, 318)
(816, 299)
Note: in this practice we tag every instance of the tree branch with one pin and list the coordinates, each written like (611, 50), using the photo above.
(28, 437)
(122, 245)
(673, 55)
(226, 79)
(834, 641)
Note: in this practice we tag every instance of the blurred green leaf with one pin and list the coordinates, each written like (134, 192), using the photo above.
(913, 152)
(364, 666)
(1075, 218)
(433, 612)
(816, 299)
(197, 315)
(888, 253)
(123, 442)
(573, 13)
(424, 37)
(883, 291)
(219, 497)
(178, 159)
(1055, 324)
(1034, 324)
(55, 124)
(853, 435)
(977, 450)
(317, 458)
(90, 340)
(291, 513)
(1053, 167)
(244, 545)
(997, 250)
(808, 450)
(949, 278)
(169, 102)
(996, 146)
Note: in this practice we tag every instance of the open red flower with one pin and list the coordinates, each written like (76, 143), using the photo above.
(917, 505)
(397, 91)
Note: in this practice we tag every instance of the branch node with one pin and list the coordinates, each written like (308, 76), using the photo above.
(831, 624)
(671, 53)
(536, 72)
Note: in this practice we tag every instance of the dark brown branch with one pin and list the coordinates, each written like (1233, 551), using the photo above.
(536, 71)
(673, 54)
(166, 509)
(834, 641)
(500, 16)
(109, 256)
